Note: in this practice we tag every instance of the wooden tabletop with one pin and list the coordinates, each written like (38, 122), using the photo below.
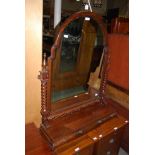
(35, 144)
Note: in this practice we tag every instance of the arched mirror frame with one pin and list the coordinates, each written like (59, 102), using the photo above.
(47, 109)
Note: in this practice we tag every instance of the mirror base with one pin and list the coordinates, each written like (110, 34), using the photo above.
(73, 125)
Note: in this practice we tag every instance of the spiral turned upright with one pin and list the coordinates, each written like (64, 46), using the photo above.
(104, 72)
(43, 76)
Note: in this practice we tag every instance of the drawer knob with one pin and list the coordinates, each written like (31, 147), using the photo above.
(115, 128)
(77, 149)
(111, 141)
(108, 152)
(95, 138)
(100, 136)
(96, 94)
(99, 121)
(126, 121)
(79, 132)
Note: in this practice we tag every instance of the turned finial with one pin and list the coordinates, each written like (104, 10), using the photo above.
(44, 63)
(43, 76)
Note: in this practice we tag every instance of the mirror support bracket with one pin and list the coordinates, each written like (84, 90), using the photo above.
(45, 73)
(57, 120)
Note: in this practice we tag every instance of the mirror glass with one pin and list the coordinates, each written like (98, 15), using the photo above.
(78, 56)
(70, 46)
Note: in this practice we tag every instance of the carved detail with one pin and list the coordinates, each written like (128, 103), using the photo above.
(44, 79)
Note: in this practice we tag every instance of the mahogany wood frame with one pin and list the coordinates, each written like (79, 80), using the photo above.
(46, 73)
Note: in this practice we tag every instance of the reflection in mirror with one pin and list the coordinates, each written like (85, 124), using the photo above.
(70, 45)
(79, 55)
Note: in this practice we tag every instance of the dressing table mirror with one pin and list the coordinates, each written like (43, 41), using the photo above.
(69, 106)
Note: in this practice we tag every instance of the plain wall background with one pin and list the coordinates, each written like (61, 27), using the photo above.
(119, 59)
(33, 50)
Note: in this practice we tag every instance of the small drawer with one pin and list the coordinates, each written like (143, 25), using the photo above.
(110, 144)
(109, 136)
(113, 137)
(80, 146)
